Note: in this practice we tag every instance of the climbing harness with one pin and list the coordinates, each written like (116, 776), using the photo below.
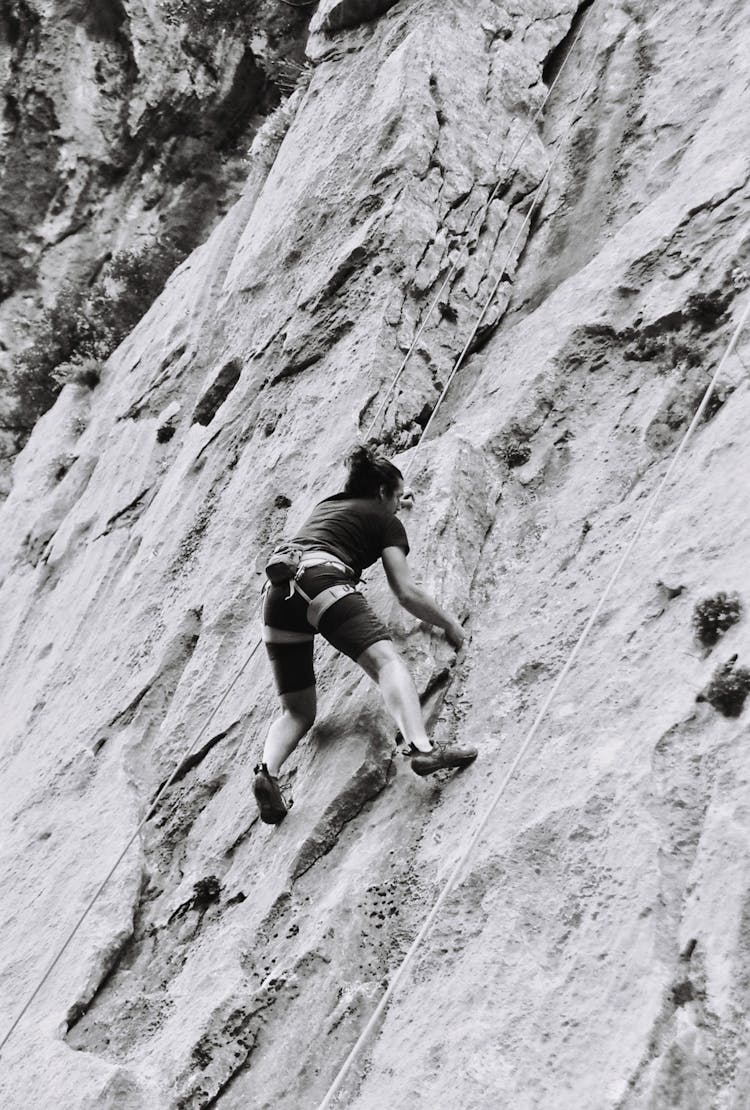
(324, 559)
(317, 606)
(289, 561)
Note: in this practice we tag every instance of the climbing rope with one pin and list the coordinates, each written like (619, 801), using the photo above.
(457, 869)
(476, 220)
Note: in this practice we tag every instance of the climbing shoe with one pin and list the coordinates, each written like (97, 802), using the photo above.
(268, 796)
(441, 756)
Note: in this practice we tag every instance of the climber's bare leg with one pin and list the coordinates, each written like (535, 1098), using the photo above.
(298, 715)
(385, 666)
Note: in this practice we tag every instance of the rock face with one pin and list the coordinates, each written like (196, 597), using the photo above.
(594, 953)
(125, 123)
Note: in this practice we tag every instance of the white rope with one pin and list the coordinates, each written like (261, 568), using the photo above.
(455, 873)
(149, 814)
(475, 221)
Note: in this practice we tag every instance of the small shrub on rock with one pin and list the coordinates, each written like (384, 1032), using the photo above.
(85, 371)
(728, 688)
(680, 352)
(139, 278)
(288, 74)
(707, 310)
(165, 432)
(206, 891)
(516, 453)
(713, 617)
(642, 347)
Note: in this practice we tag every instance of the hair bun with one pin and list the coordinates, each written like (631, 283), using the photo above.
(368, 471)
(363, 457)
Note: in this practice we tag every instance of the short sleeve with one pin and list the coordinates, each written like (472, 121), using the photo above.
(394, 534)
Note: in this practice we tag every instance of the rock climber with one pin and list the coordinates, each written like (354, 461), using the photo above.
(345, 534)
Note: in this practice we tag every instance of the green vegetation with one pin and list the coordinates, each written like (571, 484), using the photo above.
(728, 689)
(83, 327)
(516, 452)
(713, 616)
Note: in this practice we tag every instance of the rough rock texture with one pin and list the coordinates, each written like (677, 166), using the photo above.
(122, 121)
(595, 953)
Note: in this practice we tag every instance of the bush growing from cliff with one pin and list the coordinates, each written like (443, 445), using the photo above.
(516, 452)
(87, 371)
(713, 616)
(707, 310)
(728, 688)
(32, 380)
(140, 277)
(82, 329)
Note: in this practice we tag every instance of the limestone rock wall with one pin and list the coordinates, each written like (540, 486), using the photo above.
(594, 954)
(122, 123)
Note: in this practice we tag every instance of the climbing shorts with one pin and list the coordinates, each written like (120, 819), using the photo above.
(349, 625)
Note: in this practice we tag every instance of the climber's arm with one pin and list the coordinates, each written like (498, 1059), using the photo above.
(414, 599)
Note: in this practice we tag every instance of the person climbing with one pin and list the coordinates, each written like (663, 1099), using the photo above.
(345, 534)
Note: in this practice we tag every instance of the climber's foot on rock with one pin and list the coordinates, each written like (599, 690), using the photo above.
(271, 804)
(440, 757)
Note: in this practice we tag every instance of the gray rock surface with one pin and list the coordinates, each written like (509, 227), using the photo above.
(594, 953)
(124, 124)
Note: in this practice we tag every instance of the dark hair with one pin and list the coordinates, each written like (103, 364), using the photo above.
(368, 472)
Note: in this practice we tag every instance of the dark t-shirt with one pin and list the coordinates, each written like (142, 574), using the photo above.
(356, 529)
